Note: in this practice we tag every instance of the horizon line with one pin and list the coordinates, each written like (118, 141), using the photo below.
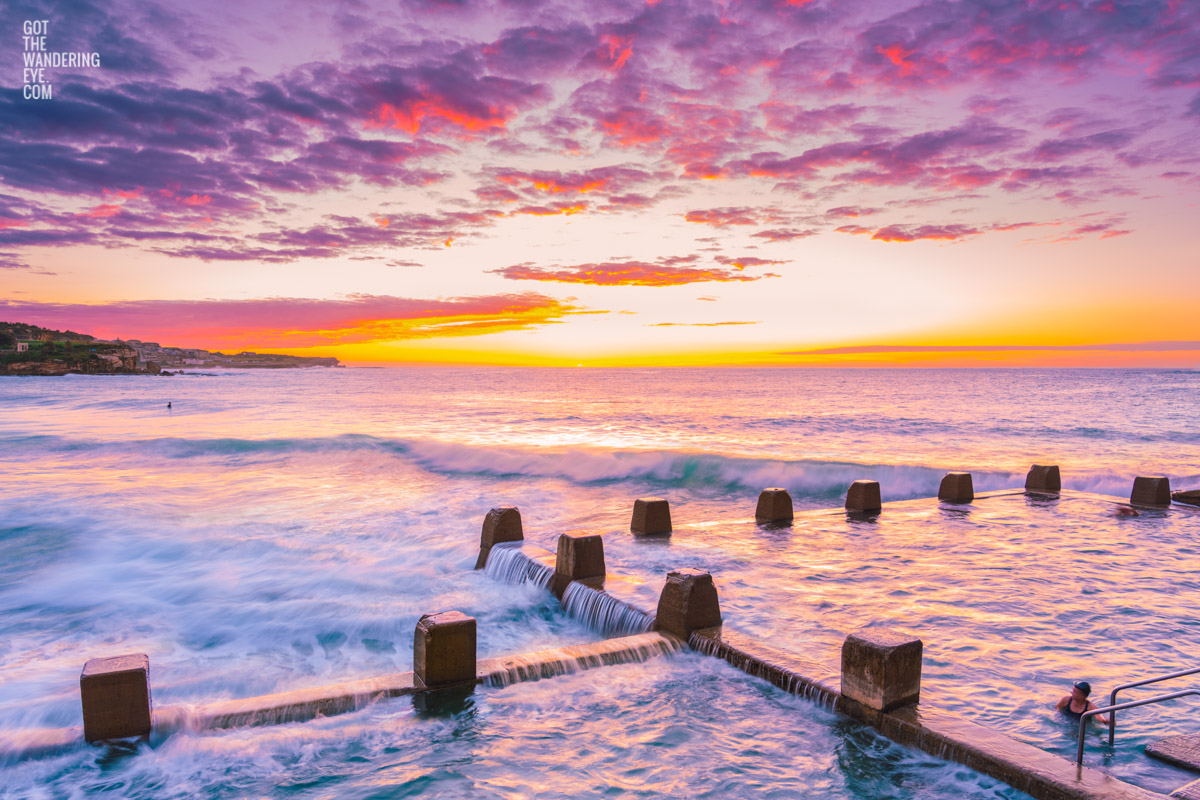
(1122, 347)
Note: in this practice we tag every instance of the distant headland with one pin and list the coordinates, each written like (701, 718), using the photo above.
(32, 350)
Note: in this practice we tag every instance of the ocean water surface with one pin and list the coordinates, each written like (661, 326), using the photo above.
(282, 529)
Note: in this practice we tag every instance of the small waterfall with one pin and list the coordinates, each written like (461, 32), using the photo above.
(604, 613)
(791, 682)
(20, 744)
(507, 563)
(257, 711)
(576, 659)
(295, 712)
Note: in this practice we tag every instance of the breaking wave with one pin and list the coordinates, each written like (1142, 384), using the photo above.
(663, 469)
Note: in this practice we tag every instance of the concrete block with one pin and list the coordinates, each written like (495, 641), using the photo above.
(1151, 491)
(774, 505)
(651, 515)
(881, 668)
(580, 555)
(957, 487)
(501, 524)
(116, 697)
(1043, 478)
(863, 496)
(688, 602)
(444, 649)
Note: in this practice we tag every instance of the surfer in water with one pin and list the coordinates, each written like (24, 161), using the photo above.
(1076, 704)
(168, 404)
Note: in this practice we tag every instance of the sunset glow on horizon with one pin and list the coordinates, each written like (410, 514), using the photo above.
(617, 183)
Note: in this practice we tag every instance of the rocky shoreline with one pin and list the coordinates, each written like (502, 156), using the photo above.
(48, 369)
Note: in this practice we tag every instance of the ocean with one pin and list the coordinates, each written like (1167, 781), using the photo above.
(280, 529)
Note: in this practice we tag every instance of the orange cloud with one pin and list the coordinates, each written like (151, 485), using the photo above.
(553, 209)
(409, 116)
(282, 322)
(9, 222)
(197, 200)
(512, 318)
(555, 184)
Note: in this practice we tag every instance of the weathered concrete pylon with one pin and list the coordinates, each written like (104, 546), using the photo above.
(502, 524)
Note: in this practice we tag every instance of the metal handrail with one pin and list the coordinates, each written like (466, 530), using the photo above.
(1087, 715)
(1112, 697)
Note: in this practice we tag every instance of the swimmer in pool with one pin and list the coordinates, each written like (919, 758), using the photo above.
(1076, 704)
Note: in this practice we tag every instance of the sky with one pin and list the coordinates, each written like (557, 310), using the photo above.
(611, 182)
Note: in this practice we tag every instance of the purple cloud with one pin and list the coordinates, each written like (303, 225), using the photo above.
(664, 272)
(185, 145)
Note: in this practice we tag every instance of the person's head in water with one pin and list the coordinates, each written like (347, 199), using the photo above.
(1076, 704)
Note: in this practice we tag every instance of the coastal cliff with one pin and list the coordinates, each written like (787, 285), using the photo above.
(32, 350)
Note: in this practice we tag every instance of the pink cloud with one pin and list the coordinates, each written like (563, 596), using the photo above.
(911, 233)
(102, 211)
(782, 235)
(741, 262)
(125, 194)
(723, 217)
(629, 126)
(279, 322)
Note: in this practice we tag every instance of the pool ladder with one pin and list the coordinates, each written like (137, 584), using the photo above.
(1112, 706)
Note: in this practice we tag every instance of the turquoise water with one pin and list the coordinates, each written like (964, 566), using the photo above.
(282, 529)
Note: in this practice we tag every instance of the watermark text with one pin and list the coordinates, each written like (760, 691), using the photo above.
(35, 81)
